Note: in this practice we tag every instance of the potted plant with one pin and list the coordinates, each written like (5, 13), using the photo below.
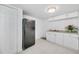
(71, 28)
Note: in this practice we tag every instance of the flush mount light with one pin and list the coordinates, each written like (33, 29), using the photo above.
(51, 10)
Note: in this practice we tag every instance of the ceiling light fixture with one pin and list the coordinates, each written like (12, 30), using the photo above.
(51, 10)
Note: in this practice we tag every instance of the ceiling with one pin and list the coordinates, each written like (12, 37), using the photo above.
(39, 10)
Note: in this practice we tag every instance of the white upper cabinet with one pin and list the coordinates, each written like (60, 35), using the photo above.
(73, 14)
(60, 17)
(64, 16)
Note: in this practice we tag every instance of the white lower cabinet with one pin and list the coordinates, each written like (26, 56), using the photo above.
(59, 38)
(75, 43)
(71, 41)
(51, 37)
(65, 39)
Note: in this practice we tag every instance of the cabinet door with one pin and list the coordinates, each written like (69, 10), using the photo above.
(51, 37)
(59, 38)
(74, 39)
(48, 36)
(73, 14)
(8, 29)
(67, 40)
(71, 41)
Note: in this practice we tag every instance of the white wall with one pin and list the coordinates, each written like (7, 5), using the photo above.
(41, 28)
(29, 17)
(20, 17)
(10, 29)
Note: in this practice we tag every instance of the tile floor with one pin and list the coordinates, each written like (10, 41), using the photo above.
(46, 47)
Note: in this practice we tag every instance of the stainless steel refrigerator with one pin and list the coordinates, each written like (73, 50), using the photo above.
(28, 33)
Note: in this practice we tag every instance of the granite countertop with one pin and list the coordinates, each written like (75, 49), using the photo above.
(62, 31)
